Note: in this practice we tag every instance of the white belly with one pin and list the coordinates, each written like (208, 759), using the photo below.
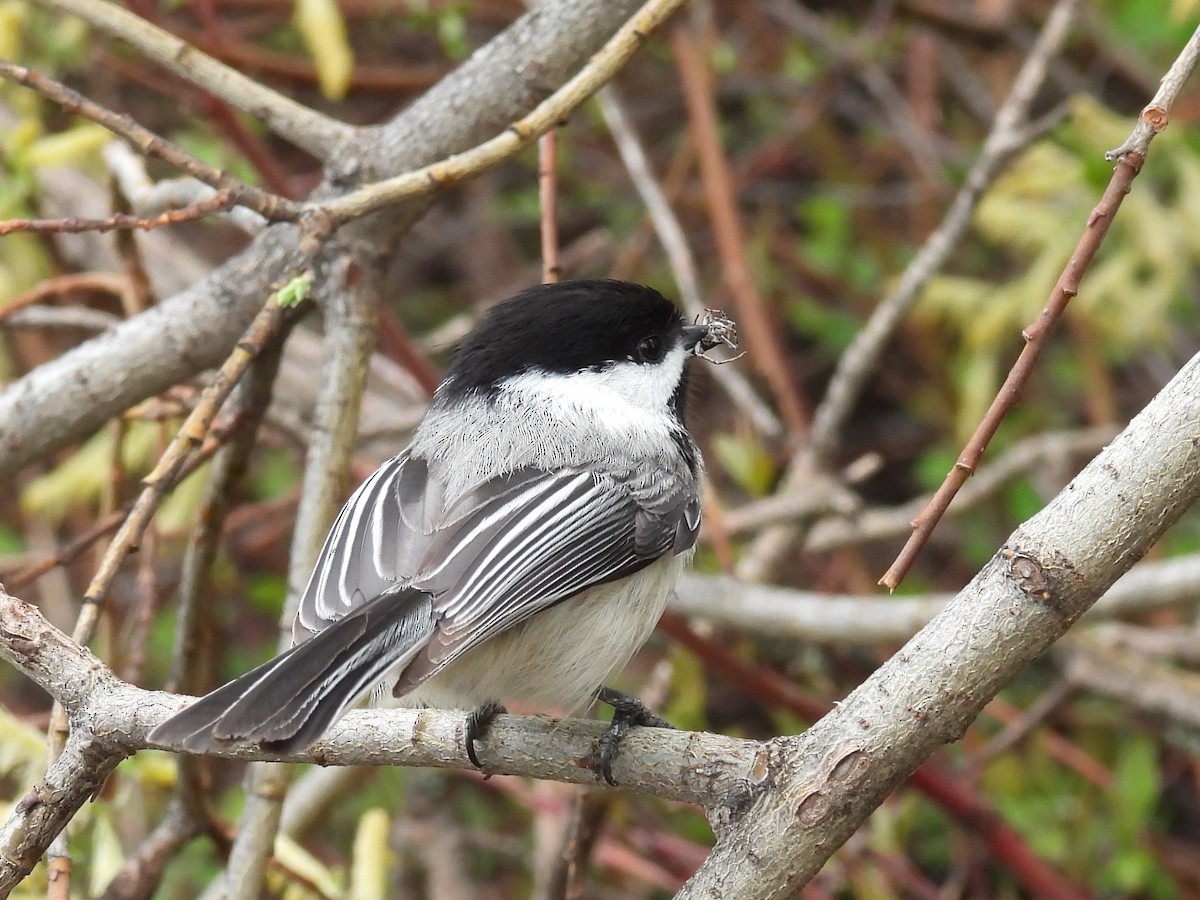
(558, 658)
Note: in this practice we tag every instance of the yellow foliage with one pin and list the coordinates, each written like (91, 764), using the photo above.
(1035, 214)
(81, 480)
(372, 857)
(323, 30)
(298, 860)
(12, 23)
(78, 147)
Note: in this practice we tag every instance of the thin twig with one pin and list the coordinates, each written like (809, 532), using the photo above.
(1021, 727)
(1141, 681)
(80, 317)
(190, 436)
(762, 336)
(1006, 137)
(161, 479)
(548, 204)
(1009, 133)
(252, 397)
(220, 201)
(269, 205)
(1039, 453)
(679, 255)
(846, 51)
(353, 298)
(320, 135)
(1036, 335)
(140, 295)
(64, 285)
(1157, 113)
(546, 115)
(148, 198)
(110, 523)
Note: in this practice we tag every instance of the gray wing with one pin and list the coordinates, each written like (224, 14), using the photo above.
(404, 580)
(502, 552)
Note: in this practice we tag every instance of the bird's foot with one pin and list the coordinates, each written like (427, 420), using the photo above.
(479, 723)
(628, 711)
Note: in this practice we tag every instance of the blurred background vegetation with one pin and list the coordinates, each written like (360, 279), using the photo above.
(837, 189)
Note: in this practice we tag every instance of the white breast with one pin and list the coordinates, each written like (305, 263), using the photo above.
(556, 660)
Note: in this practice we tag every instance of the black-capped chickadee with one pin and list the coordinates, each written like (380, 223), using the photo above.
(522, 548)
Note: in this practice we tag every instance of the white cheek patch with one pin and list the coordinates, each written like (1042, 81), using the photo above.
(647, 387)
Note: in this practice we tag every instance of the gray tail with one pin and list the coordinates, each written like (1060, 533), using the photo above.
(288, 702)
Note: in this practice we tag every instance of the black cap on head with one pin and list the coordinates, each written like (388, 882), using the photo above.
(566, 327)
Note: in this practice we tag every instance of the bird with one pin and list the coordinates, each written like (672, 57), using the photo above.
(521, 549)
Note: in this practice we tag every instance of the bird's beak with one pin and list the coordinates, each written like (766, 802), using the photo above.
(692, 335)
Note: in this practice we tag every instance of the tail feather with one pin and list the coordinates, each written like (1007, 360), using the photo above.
(290, 701)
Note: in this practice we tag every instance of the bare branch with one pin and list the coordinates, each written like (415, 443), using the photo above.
(162, 478)
(679, 255)
(1157, 113)
(1006, 137)
(1097, 663)
(426, 180)
(1051, 570)
(271, 206)
(755, 322)
(320, 135)
(112, 719)
(69, 397)
(548, 204)
(842, 619)
(1036, 336)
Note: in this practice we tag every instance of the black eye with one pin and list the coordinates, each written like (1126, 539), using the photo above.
(650, 349)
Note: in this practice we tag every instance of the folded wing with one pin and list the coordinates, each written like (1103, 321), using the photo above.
(407, 582)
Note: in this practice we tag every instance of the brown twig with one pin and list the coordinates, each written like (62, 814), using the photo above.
(189, 439)
(1156, 115)
(60, 285)
(110, 523)
(1008, 134)
(394, 340)
(139, 295)
(548, 203)
(1009, 395)
(1129, 156)
(190, 436)
(218, 202)
(270, 206)
(675, 246)
(762, 335)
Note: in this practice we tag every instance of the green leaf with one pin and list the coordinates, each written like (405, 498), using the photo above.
(295, 291)
(746, 461)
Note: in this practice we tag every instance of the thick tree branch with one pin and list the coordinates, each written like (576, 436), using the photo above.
(1052, 569)
(70, 397)
(599, 70)
(111, 719)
